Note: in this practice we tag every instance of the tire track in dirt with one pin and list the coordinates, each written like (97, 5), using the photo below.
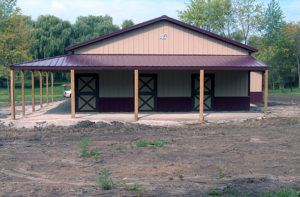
(40, 178)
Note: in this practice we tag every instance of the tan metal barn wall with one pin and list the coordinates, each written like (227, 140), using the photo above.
(148, 40)
(256, 87)
(255, 81)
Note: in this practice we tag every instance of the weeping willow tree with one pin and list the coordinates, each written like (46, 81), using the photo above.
(89, 27)
(52, 35)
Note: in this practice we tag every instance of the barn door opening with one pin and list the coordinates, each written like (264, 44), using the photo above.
(147, 92)
(208, 92)
(87, 92)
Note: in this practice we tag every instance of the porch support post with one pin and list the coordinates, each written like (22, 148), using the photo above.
(32, 91)
(266, 93)
(73, 93)
(201, 95)
(23, 93)
(41, 89)
(136, 94)
(12, 93)
(47, 89)
(52, 87)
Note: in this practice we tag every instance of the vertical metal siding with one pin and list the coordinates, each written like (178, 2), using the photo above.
(119, 83)
(231, 83)
(255, 81)
(147, 41)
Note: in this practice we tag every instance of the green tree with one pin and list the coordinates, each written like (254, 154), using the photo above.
(15, 38)
(7, 9)
(127, 23)
(271, 25)
(215, 15)
(15, 42)
(53, 35)
(89, 27)
(283, 61)
(293, 35)
(249, 16)
(231, 18)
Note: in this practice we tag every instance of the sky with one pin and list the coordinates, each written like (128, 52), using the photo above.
(137, 10)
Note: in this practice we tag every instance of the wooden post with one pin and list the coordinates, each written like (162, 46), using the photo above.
(12, 93)
(47, 89)
(201, 95)
(52, 99)
(266, 93)
(32, 91)
(41, 89)
(136, 95)
(73, 93)
(23, 93)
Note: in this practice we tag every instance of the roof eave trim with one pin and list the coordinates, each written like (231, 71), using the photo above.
(59, 68)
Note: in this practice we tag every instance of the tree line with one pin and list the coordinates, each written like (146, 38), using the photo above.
(247, 21)
(23, 39)
(258, 25)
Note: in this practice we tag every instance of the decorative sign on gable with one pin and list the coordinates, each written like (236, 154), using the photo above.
(164, 37)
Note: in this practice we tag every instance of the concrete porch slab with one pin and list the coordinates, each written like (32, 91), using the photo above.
(58, 113)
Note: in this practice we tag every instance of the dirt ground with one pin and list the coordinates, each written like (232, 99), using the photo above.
(254, 156)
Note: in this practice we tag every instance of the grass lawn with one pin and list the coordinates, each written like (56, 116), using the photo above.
(57, 93)
(285, 91)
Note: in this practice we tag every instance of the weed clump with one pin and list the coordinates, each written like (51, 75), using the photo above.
(286, 192)
(221, 174)
(215, 192)
(117, 148)
(84, 145)
(132, 187)
(105, 180)
(84, 149)
(107, 183)
(152, 144)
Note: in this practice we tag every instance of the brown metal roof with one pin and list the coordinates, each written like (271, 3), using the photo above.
(145, 62)
(162, 18)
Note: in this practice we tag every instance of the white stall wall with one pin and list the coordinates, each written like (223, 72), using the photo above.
(119, 83)
(231, 83)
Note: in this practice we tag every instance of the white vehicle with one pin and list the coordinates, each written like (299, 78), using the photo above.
(67, 91)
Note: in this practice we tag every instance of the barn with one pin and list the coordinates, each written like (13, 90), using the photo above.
(161, 65)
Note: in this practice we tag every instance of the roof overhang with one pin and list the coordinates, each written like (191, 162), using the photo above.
(162, 18)
(143, 62)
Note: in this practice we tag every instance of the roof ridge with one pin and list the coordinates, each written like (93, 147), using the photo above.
(131, 54)
(161, 18)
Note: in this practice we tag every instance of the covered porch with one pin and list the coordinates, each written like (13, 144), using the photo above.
(155, 83)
